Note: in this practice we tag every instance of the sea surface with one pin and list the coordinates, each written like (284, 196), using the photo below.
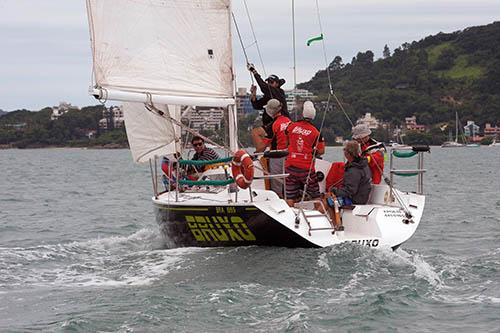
(80, 251)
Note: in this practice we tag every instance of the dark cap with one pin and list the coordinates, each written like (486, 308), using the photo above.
(273, 77)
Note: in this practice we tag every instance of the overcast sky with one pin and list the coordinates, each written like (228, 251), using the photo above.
(45, 51)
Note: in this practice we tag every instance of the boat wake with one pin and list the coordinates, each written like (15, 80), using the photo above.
(364, 263)
(137, 259)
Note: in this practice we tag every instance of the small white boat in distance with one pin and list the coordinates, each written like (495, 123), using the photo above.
(494, 143)
(450, 143)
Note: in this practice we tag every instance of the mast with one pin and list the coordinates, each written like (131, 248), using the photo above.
(294, 63)
(456, 126)
(231, 109)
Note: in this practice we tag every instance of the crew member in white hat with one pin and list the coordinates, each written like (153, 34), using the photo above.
(372, 150)
(304, 143)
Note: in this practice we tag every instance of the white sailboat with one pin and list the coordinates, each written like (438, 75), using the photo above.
(455, 143)
(494, 143)
(399, 141)
(159, 56)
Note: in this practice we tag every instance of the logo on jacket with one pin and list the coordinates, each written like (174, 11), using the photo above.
(284, 126)
(300, 144)
(300, 130)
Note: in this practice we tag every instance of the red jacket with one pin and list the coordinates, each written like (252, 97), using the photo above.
(303, 137)
(375, 156)
(280, 125)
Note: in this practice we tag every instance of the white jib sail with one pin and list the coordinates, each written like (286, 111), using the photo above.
(167, 48)
(150, 134)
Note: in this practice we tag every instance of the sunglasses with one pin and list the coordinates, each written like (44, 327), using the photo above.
(199, 144)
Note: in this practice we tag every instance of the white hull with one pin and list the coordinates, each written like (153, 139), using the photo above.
(380, 223)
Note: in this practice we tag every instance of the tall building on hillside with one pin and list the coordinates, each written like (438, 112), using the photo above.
(243, 103)
(205, 118)
(411, 124)
(301, 94)
(491, 130)
(63, 107)
(112, 117)
(369, 121)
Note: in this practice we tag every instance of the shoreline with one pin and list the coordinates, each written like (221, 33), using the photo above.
(106, 146)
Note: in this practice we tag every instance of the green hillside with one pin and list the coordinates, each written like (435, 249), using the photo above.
(430, 78)
(23, 128)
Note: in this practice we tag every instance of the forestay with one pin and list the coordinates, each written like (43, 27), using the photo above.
(177, 49)
(150, 134)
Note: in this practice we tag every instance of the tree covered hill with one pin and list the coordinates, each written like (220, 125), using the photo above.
(23, 128)
(430, 78)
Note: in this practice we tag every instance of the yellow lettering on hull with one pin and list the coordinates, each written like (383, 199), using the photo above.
(219, 228)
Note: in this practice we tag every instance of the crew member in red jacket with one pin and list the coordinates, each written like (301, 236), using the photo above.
(371, 149)
(278, 141)
(304, 142)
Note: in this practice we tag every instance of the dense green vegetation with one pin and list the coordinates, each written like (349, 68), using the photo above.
(430, 79)
(23, 128)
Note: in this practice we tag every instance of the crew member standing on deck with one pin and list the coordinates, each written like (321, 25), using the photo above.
(304, 143)
(270, 88)
(277, 142)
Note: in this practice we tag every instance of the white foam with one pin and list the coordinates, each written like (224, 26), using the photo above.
(111, 261)
(323, 261)
(422, 269)
(470, 299)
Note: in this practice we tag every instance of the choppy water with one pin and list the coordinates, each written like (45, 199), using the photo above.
(80, 252)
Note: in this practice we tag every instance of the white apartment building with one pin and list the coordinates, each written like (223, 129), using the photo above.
(114, 114)
(205, 118)
(302, 94)
(368, 120)
(63, 107)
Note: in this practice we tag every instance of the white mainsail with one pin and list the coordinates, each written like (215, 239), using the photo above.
(166, 52)
(170, 51)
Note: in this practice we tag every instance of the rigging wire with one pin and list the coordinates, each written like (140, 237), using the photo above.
(330, 85)
(244, 48)
(254, 37)
(324, 49)
(241, 42)
(331, 93)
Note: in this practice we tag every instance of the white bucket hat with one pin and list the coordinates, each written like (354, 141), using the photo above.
(360, 131)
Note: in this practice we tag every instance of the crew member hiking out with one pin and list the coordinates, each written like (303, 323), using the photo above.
(304, 142)
(277, 142)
